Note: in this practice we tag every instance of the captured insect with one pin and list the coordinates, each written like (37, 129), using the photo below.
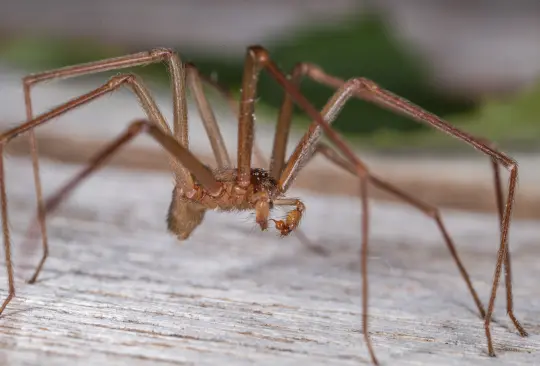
(244, 187)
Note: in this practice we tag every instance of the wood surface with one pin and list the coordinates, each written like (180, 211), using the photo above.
(119, 290)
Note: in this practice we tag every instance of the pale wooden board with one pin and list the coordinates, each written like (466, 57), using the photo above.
(119, 290)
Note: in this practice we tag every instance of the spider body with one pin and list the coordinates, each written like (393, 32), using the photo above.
(199, 188)
(186, 212)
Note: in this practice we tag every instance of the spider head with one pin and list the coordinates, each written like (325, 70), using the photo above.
(263, 182)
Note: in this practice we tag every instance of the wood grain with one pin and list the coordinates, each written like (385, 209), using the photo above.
(119, 290)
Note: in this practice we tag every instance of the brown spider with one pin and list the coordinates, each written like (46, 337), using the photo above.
(198, 188)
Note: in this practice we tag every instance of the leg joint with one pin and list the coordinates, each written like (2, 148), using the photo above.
(162, 52)
(138, 126)
(117, 80)
(360, 84)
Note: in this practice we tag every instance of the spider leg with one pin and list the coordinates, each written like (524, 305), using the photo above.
(233, 106)
(146, 101)
(429, 210)
(177, 72)
(177, 151)
(156, 55)
(137, 59)
(370, 91)
(507, 262)
(246, 116)
(5, 229)
(434, 213)
(310, 145)
(257, 59)
(167, 142)
(317, 74)
(195, 84)
(283, 127)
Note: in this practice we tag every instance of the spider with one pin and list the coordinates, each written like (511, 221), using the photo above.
(198, 188)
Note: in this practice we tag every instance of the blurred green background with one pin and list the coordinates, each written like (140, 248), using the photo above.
(358, 46)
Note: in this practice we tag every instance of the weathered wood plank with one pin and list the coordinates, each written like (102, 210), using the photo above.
(119, 290)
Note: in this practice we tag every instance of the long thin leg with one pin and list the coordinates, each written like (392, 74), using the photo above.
(306, 146)
(429, 210)
(309, 145)
(369, 91)
(208, 117)
(311, 137)
(252, 69)
(141, 58)
(234, 107)
(257, 59)
(166, 141)
(5, 228)
(156, 55)
(169, 143)
(317, 74)
(283, 127)
(507, 265)
(114, 83)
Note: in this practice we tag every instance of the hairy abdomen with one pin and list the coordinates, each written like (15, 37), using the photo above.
(184, 216)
